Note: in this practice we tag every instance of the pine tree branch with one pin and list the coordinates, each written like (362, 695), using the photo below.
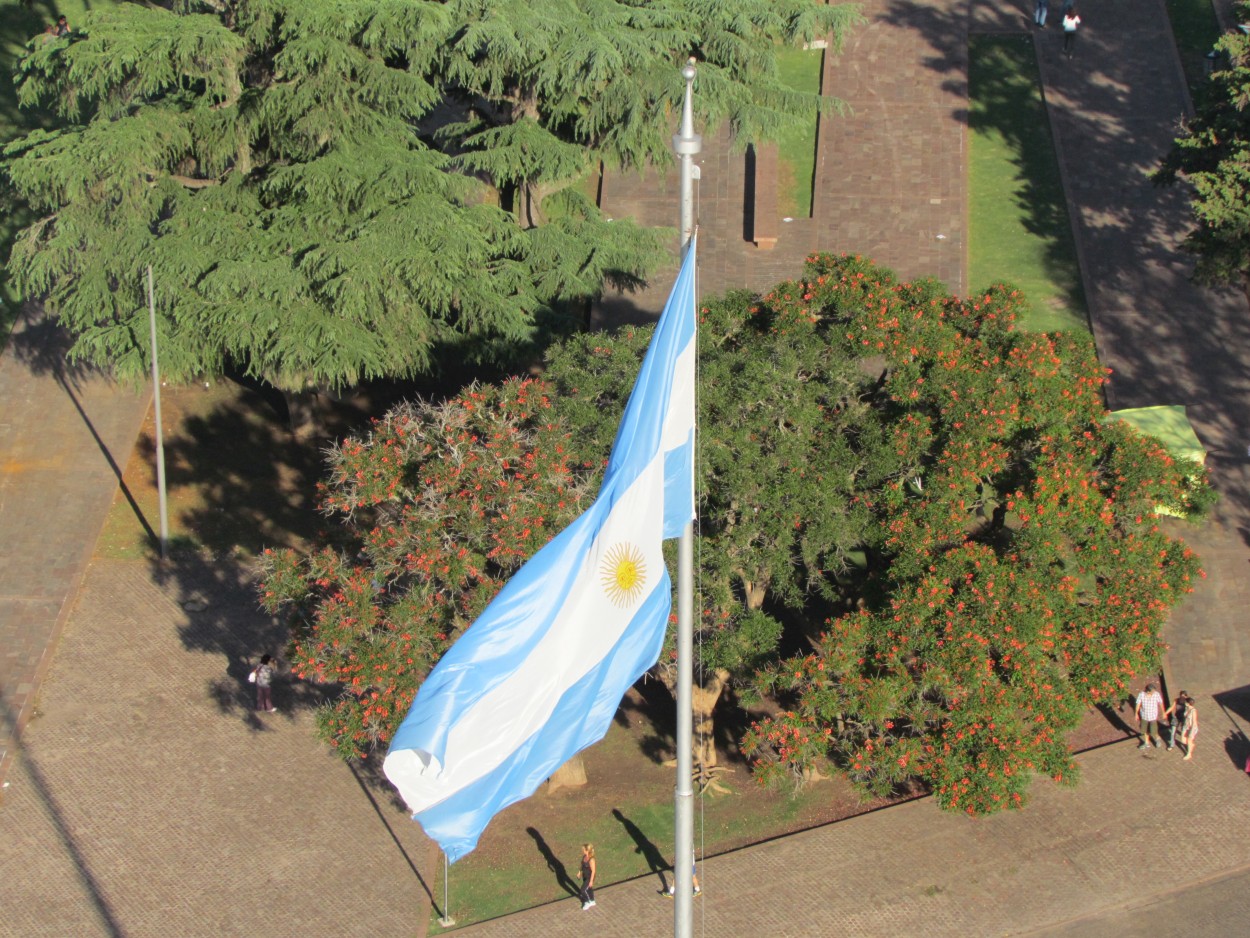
(189, 182)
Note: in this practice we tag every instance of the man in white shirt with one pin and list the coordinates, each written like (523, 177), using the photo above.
(1149, 706)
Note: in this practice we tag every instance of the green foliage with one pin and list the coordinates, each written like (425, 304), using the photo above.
(1213, 155)
(1024, 574)
(22, 25)
(344, 189)
(787, 440)
(1196, 30)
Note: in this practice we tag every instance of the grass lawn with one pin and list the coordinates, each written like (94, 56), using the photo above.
(1195, 29)
(800, 70)
(1018, 226)
(529, 854)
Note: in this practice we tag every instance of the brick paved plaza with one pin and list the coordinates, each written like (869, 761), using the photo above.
(145, 798)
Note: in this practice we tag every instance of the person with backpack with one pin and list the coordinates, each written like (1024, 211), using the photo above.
(262, 677)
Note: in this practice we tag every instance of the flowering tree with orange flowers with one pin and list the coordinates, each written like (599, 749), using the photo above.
(439, 504)
(1023, 574)
(943, 491)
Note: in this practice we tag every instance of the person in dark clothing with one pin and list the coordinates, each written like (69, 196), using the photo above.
(588, 876)
(1175, 716)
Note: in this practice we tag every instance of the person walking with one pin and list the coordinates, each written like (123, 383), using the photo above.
(671, 892)
(1071, 20)
(1149, 706)
(262, 677)
(1040, 11)
(588, 876)
(1189, 730)
(1175, 716)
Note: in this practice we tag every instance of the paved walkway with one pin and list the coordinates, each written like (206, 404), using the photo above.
(890, 172)
(1114, 108)
(148, 800)
(65, 434)
(912, 870)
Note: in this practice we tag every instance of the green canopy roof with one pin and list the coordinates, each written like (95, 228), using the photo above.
(1169, 424)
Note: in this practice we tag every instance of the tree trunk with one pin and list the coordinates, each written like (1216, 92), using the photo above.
(306, 414)
(703, 699)
(703, 702)
(570, 775)
(532, 195)
(753, 594)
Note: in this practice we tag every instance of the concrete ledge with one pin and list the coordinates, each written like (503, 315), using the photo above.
(765, 216)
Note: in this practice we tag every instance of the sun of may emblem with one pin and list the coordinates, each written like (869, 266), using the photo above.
(623, 574)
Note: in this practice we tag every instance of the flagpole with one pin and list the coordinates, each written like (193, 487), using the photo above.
(160, 438)
(686, 144)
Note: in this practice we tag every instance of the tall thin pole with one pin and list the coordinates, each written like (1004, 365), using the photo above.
(686, 143)
(160, 433)
(446, 921)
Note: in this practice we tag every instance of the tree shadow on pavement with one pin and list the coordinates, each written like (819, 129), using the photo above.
(1235, 705)
(42, 347)
(223, 618)
(251, 482)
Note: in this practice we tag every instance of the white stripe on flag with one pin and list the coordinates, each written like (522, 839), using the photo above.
(584, 630)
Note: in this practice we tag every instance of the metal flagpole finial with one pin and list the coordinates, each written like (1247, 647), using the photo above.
(687, 142)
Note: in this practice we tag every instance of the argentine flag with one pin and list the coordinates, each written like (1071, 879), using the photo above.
(538, 677)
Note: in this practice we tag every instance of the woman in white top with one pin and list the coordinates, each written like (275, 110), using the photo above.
(1070, 22)
(1189, 729)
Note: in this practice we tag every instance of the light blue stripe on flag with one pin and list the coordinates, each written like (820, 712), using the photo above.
(538, 676)
(457, 821)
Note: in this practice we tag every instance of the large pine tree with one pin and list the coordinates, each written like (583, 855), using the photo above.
(330, 190)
